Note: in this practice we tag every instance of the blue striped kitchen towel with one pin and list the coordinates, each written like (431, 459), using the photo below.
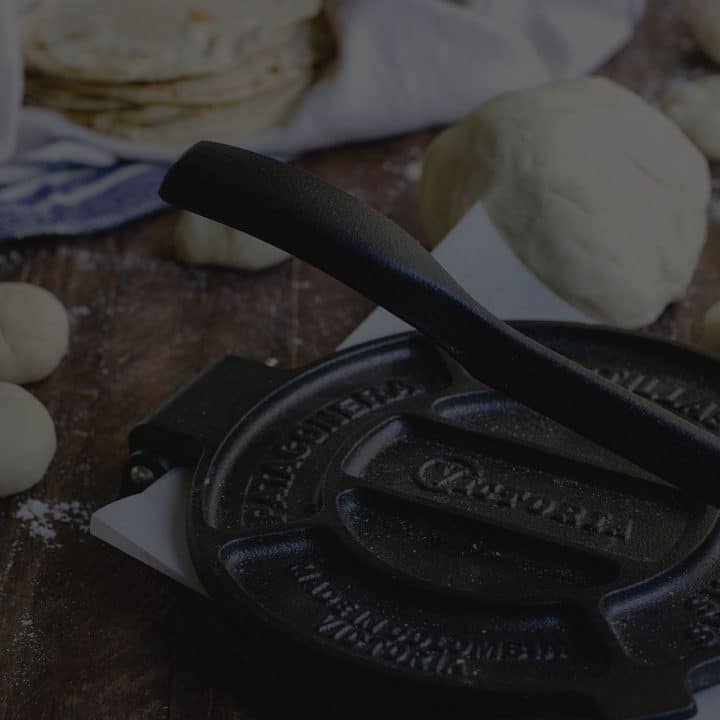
(66, 188)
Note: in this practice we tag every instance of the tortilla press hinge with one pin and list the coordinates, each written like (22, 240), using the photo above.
(196, 418)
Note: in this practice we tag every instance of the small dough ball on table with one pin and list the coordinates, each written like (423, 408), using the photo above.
(34, 332)
(695, 107)
(598, 193)
(704, 19)
(711, 330)
(27, 440)
(200, 241)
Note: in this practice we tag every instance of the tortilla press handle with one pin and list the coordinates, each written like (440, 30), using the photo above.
(296, 211)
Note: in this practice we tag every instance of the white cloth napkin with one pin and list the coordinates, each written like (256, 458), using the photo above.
(411, 64)
(403, 65)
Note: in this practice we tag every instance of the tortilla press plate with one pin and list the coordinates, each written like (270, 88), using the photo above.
(385, 514)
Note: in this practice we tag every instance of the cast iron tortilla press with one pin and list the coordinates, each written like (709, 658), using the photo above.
(521, 521)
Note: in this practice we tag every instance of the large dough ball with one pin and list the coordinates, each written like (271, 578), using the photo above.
(34, 332)
(27, 440)
(704, 19)
(200, 241)
(695, 107)
(598, 193)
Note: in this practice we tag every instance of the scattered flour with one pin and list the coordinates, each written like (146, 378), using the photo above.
(410, 169)
(40, 518)
(11, 259)
(301, 284)
(27, 646)
(413, 171)
(15, 547)
(78, 312)
(27, 633)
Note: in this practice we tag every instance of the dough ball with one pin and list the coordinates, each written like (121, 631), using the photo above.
(695, 107)
(34, 332)
(27, 440)
(200, 241)
(704, 19)
(597, 192)
(711, 330)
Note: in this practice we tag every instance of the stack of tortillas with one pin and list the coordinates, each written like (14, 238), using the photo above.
(168, 72)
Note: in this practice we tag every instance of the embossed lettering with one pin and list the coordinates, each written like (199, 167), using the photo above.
(270, 484)
(673, 396)
(350, 625)
(448, 476)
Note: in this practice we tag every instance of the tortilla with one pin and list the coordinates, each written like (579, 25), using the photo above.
(179, 127)
(308, 45)
(38, 93)
(152, 40)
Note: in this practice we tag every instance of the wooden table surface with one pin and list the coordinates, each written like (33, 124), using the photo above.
(86, 632)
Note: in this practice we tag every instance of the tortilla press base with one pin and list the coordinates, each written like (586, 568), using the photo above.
(384, 516)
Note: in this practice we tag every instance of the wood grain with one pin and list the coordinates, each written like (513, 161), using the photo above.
(86, 632)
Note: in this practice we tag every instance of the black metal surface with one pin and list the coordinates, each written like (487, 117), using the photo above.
(389, 515)
(385, 514)
(299, 213)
